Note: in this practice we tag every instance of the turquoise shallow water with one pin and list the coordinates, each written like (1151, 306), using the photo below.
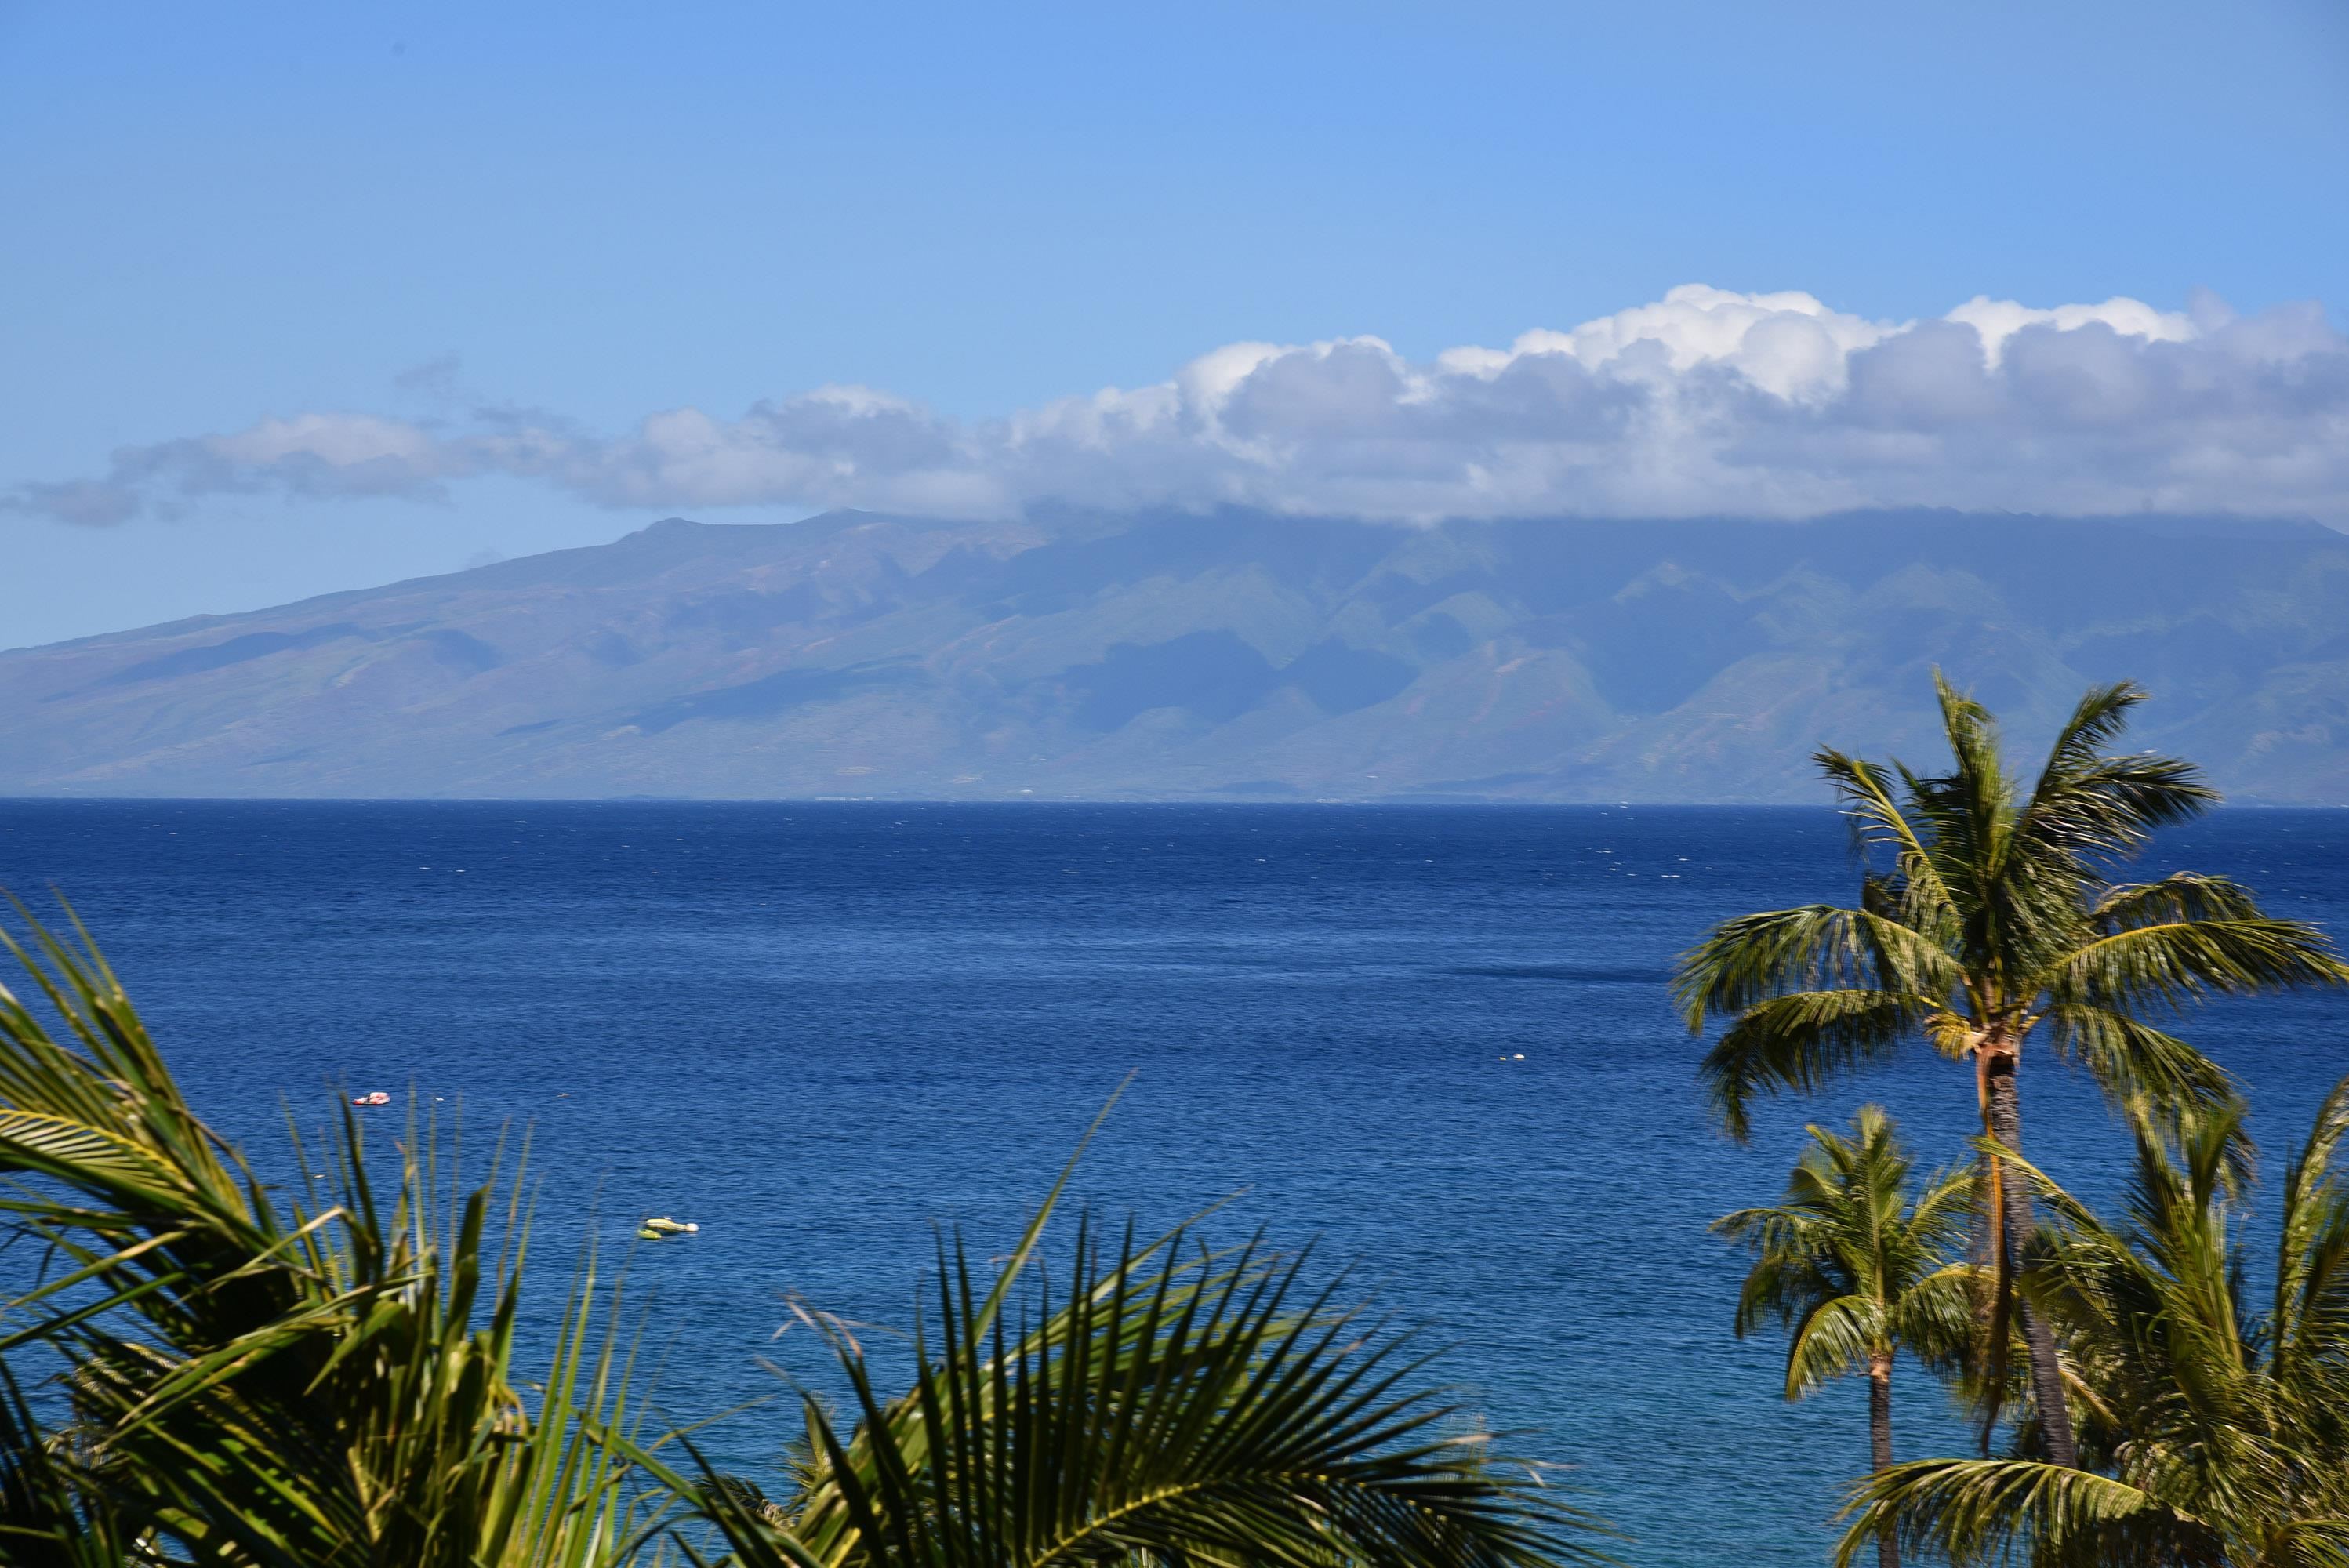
(819, 1029)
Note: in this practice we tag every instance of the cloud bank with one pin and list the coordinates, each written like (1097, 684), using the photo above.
(1704, 402)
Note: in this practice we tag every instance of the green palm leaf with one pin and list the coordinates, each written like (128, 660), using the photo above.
(1756, 957)
(2138, 1065)
(2179, 963)
(2178, 897)
(1173, 1405)
(1803, 1041)
(53, 1512)
(271, 1387)
(2311, 1331)
(1969, 1511)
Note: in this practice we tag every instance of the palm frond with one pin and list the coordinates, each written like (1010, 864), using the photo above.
(1801, 1042)
(2175, 963)
(2186, 1407)
(1937, 1318)
(1835, 1339)
(1970, 1511)
(53, 1513)
(328, 1381)
(2089, 802)
(1175, 1407)
(1872, 810)
(300, 1387)
(2137, 1064)
(2311, 1314)
(2178, 897)
(1964, 815)
(1816, 947)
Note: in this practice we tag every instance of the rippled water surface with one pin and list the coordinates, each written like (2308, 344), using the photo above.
(1435, 1039)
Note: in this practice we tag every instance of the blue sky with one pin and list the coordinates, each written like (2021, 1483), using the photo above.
(494, 241)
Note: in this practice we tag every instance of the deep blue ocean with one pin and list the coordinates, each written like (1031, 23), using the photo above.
(1435, 1039)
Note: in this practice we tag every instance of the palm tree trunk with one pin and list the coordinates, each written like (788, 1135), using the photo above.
(1879, 1439)
(2047, 1374)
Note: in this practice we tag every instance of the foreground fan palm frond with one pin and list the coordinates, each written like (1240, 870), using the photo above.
(1995, 923)
(2218, 1435)
(330, 1382)
(1856, 1271)
(321, 1383)
(1176, 1405)
(51, 1516)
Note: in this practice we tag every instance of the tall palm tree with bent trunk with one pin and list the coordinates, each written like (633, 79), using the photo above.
(1857, 1273)
(1996, 921)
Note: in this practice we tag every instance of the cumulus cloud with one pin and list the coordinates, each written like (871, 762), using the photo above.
(1705, 401)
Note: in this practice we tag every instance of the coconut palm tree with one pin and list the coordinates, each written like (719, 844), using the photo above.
(1997, 921)
(1856, 1271)
(2215, 1433)
(330, 1381)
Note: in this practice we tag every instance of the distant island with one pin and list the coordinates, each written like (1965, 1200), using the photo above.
(1233, 656)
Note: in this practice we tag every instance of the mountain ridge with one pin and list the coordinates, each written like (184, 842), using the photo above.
(1219, 655)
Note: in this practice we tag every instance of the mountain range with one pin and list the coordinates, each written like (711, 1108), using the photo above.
(1226, 655)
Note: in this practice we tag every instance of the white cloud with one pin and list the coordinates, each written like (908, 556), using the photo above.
(1705, 401)
(1996, 320)
(1787, 344)
(338, 440)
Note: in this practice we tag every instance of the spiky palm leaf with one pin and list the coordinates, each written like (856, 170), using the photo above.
(323, 1384)
(1174, 1406)
(53, 1512)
